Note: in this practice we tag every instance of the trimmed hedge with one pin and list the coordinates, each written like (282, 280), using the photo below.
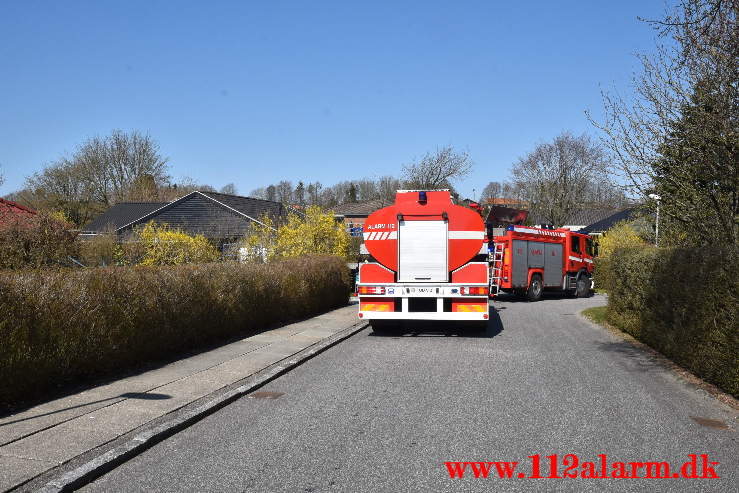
(62, 325)
(683, 303)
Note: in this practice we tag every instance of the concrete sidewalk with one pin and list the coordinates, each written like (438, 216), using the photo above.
(53, 433)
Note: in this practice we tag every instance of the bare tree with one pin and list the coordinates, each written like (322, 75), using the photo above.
(63, 187)
(366, 189)
(229, 189)
(174, 191)
(270, 193)
(144, 188)
(328, 198)
(285, 191)
(438, 169)
(492, 190)
(110, 165)
(258, 193)
(676, 136)
(555, 178)
(339, 192)
(100, 172)
(2, 178)
(386, 188)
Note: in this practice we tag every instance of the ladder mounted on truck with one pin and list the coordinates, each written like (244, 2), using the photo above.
(496, 269)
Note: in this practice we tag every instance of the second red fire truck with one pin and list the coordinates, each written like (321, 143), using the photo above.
(527, 260)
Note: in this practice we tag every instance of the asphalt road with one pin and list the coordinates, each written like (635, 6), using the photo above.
(383, 413)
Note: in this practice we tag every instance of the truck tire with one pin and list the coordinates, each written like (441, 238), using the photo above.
(536, 288)
(582, 289)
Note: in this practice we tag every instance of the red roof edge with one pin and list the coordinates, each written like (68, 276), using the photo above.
(17, 206)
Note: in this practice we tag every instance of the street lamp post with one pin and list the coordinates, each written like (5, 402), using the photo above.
(657, 198)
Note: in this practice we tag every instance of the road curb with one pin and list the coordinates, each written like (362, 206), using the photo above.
(97, 466)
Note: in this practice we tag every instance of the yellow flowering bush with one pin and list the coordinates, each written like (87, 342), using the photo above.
(621, 235)
(315, 233)
(163, 245)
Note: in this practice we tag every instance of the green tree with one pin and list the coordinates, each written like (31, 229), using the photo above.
(697, 175)
(676, 135)
(351, 194)
(300, 194)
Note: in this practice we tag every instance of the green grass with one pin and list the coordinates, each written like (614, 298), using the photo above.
(597, 314)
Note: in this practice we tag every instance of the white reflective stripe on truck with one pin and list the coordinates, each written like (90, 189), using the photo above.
(380, 235)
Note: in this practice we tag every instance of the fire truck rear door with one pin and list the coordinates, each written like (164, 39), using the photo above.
(422, 251)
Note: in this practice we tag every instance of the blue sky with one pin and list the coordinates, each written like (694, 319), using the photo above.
(255, 92)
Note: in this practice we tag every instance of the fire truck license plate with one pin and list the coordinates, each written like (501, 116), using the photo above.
(425, 290)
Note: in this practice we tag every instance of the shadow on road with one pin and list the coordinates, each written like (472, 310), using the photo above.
(434, 328)
(641, 357)
(546, 295)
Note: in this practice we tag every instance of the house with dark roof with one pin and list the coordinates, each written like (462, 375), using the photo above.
(600, 227)
(217, 216)
(353, 215)
(119, 215)
(580, 219)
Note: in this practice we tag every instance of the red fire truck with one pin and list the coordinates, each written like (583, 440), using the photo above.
(428, 261)
(526, 260)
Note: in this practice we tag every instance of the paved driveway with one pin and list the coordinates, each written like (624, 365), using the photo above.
(384, 413)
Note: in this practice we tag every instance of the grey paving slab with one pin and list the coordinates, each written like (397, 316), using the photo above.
(246, 365)
(317, 332)
(307, 338)
(60, 443)
(18, 425)
(119, 418)
(14, 470)
(288, 346)
(266, 338)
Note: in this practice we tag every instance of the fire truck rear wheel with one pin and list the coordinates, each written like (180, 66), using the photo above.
(536, 288)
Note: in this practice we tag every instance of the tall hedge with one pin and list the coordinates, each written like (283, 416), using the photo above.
(82, 324)
(682, 302)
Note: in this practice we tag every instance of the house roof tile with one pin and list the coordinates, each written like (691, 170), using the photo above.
(608, 222)
(121, 214)
(582, 217)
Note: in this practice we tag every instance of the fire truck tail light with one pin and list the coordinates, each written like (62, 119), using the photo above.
(371, 290)
(474, 291)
